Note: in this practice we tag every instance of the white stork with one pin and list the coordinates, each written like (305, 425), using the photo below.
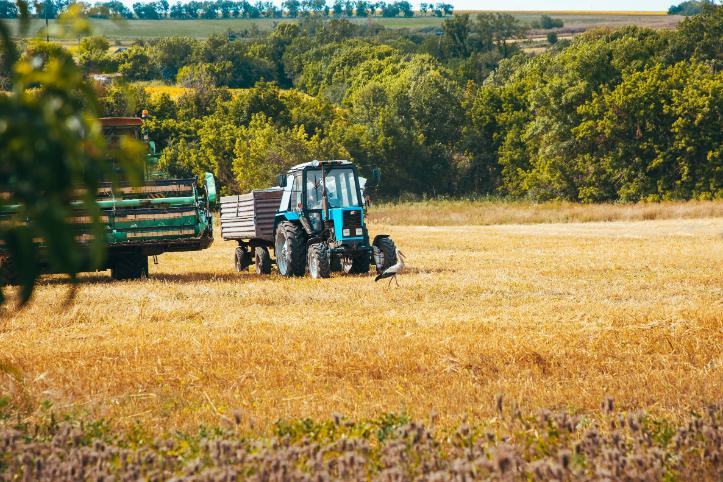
(392, 271)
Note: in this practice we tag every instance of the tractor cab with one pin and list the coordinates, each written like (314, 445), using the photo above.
(328, 195)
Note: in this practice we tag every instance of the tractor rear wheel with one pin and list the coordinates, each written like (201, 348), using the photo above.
(290, 249)
(356, 264)
(262, 260)
(130, 266)
(385, 254)
(318, 260)
(242, 259)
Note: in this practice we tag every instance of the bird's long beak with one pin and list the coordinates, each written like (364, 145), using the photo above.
(402, 255)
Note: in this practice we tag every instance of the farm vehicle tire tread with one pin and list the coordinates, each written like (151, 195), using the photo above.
(389, 252)
(262, 260)
(318, 253)
(293, 235)
(242, 259)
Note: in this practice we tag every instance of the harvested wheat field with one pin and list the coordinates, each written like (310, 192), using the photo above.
(550, 315)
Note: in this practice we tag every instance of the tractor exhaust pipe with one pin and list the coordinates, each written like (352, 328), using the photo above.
(324, 197)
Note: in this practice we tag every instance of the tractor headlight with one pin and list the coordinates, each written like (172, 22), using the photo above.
(359, 231)
(346, 232)
(315, 220)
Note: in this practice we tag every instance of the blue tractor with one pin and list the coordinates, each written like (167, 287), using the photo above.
(320, 223)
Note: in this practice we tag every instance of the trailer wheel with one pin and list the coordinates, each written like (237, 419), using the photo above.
(130, 266)
(385, 254)
(318, 260)
(355, 265)
(262, 260)
(290, 249)
(242, 259)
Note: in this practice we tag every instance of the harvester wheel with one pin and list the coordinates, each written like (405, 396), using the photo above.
(262, 260)
(355, 265)
(8, 272)
(130, 266)
(385, 254)
(290, 249)
(318, 260)
(242, 259)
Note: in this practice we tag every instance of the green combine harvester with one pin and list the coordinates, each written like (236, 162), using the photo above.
(158, 216)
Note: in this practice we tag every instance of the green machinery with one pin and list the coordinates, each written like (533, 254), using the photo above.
(158, 216)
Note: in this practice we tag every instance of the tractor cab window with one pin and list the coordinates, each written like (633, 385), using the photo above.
(113, 135)
(341, 188)
(296, 193)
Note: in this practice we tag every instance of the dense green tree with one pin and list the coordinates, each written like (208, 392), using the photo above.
(8, 9)
(135, 64)
(172, 53)
(264, 98)
(93, 55)
(655, 136)
(121, 100)
(263, 150)
(689, 7)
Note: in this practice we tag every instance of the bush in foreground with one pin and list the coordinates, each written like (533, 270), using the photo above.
(612, 446)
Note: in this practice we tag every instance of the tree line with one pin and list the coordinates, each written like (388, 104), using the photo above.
(214, 9)
(623, 114)
(616, 114)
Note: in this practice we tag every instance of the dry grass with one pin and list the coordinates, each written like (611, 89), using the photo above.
(176, 91)
(173, 91)
(555, 316)
(488, 212)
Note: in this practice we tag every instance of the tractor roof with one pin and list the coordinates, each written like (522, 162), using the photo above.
(315, 164)
(120, 121)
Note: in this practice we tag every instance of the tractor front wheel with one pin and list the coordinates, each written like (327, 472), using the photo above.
(318, 260)
(262, 260)
(385, 254)
(290, 249)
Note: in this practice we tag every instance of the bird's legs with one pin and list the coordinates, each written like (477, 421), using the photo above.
(395, 280)
(390, 280)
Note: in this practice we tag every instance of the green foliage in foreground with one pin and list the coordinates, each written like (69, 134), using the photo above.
(52, 158)
(512, 446)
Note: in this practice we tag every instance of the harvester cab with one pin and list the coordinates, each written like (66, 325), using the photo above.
(320, 224)
(115, 128)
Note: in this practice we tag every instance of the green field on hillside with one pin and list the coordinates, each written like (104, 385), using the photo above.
(133, 29)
